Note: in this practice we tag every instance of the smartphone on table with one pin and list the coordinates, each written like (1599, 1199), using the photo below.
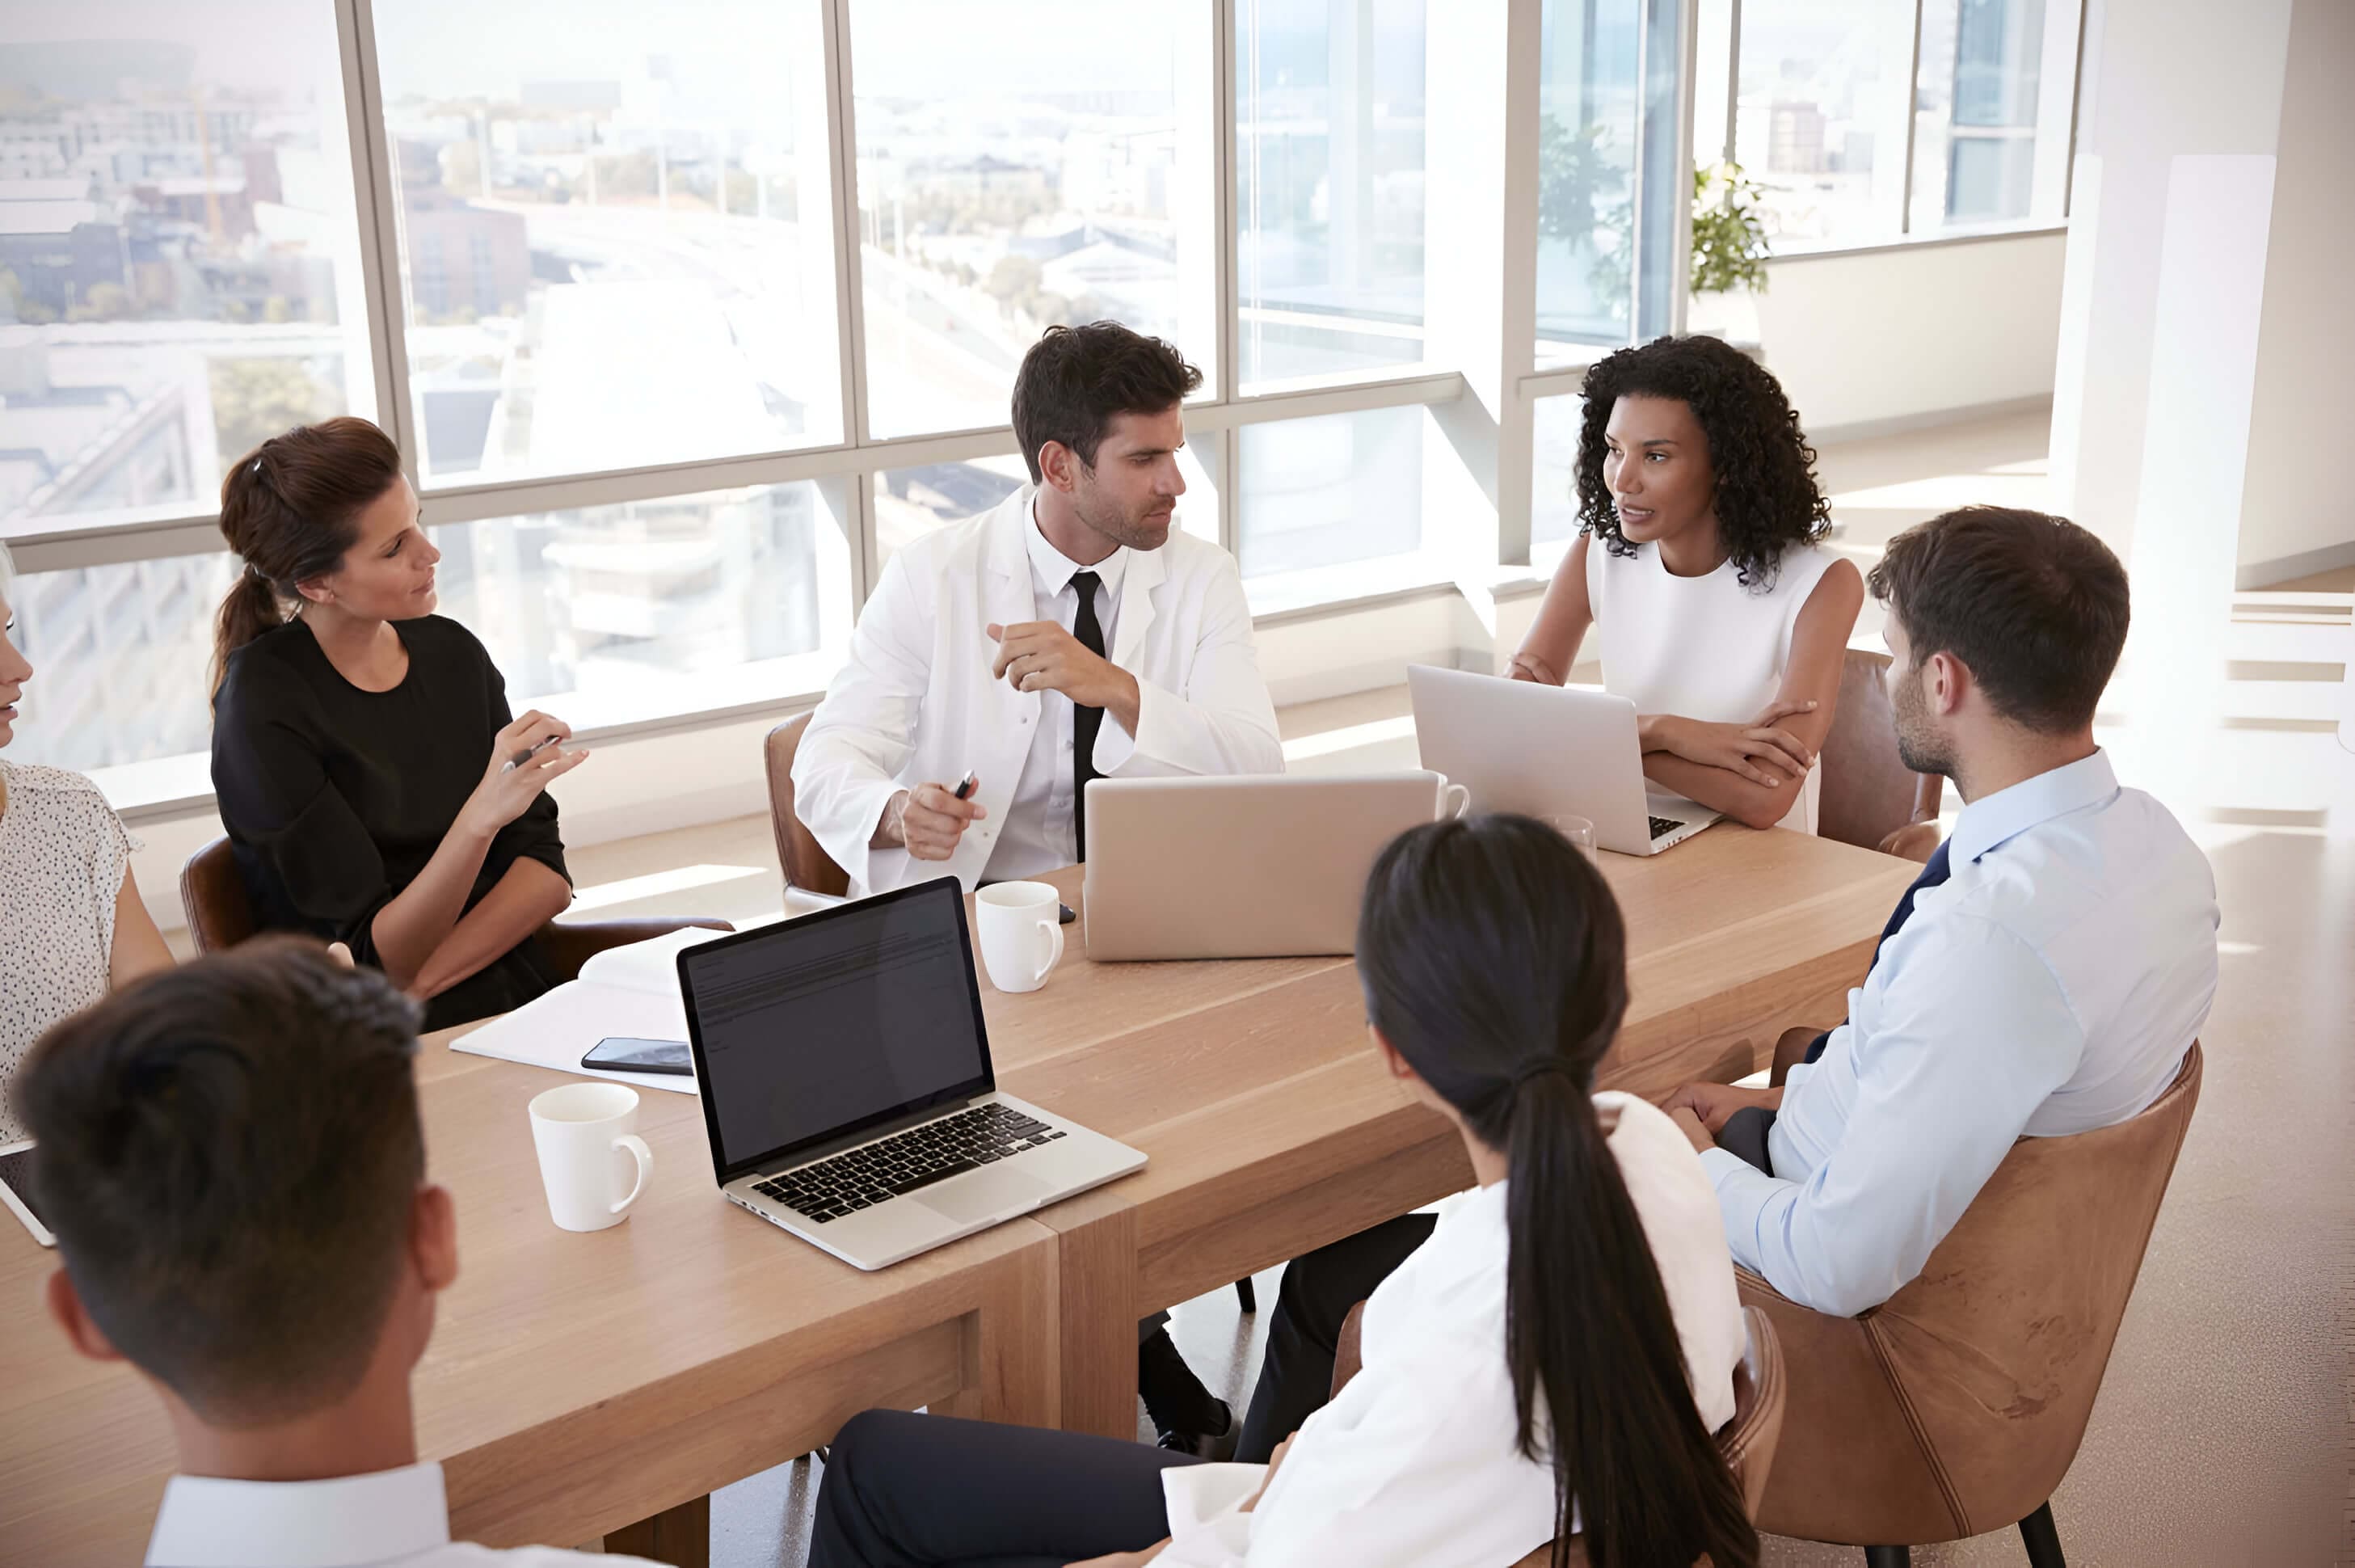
(17, 1191)
(625, 1053)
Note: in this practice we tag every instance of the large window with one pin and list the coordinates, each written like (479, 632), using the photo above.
(1554, 492)
(615, 246)
(642, 608)
(1872, 120)
(1329, 103)
(1976, 110)
(179, 263)
(1588, 133)
(1341, 493)
(1014, 175)
(687, 318)
(120, 654)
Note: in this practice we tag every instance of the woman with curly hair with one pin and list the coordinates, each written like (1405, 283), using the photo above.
(1724, 617)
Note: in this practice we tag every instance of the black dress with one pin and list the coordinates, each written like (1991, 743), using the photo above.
(334, 798)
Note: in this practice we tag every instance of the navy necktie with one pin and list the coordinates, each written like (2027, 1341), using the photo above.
(1931, 875)
(1085, 720)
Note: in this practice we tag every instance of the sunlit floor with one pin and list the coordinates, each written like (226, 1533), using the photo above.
(2223, 1434)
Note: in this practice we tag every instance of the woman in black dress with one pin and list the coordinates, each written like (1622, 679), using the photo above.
(364, 758)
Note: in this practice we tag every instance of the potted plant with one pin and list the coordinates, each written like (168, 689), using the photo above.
(1729, 254)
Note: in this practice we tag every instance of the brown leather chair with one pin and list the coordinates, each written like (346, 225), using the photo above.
(1868, 793)
(220, 915)
(801, 858)
(1957, 1406)
(1748, 1441)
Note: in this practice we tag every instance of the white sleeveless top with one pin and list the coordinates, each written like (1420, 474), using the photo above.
(1704, 647)
(63, 853)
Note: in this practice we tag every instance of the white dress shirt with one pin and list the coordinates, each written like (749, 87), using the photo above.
(1037, 835)
(916, 702)
(1414, 1464)
(2051, 986)
(393, 1519)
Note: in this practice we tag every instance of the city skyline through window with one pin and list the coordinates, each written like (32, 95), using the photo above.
(179, 260)
(1825, 90)
(606, 259)
(688, 317)
(1004, 189)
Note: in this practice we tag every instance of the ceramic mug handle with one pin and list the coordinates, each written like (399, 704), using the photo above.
(646, 1158)
(1054, 930)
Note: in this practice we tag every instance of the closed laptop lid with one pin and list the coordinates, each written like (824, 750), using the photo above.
(810, 1031)
(1260, 866)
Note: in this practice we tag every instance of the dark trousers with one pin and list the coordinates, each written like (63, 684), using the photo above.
(929, 1491)
(1745, 1137)
(1318, 1291)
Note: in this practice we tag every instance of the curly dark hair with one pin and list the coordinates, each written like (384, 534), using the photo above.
(1768, 496)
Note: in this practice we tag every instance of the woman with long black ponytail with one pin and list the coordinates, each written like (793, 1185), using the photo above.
(1550, 1360)
(1494, 962)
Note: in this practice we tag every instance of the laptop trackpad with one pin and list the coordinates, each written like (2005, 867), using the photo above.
(982, 1193)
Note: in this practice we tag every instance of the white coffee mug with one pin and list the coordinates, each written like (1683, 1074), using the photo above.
(1022, 933)
(579, 1131)
(1455, 799)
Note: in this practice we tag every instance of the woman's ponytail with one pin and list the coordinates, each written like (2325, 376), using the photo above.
(1494, 960)
(1600, 1386)
(290, 508)
(250, 608)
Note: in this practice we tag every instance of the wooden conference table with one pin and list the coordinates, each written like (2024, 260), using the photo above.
(581, 1385)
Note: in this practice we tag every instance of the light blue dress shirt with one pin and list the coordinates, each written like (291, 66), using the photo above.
(2051, 986)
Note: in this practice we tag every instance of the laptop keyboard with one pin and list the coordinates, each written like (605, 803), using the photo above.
(1664, 825)
(905, 1161)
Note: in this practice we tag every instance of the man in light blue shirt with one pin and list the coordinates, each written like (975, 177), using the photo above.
(2059, 956)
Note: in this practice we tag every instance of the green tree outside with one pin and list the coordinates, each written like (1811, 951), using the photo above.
(254, 400)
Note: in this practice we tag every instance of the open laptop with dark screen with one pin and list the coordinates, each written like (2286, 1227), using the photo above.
(847, 1085)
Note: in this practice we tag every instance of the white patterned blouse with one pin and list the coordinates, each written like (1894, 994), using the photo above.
(63, 856)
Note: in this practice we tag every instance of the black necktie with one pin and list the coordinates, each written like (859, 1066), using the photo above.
(1085, 720)
(1935, 872)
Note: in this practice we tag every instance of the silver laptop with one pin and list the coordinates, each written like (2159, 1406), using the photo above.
(847, 1085)
(1544, 751)
(1262, 866)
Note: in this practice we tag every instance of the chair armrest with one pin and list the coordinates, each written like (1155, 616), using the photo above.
(569, 944)
(1790, 1049)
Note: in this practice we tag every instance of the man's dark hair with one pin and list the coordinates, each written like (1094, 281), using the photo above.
(229, 1155)
(1075, 378)
(2035, 607)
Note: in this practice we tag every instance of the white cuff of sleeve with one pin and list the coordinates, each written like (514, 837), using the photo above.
(1116, 746)
(1205, 1528)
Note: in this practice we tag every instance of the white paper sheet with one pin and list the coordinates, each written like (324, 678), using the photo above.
(626, 992)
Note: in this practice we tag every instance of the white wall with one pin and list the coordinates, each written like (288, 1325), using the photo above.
(1868, 342)
(2297, 517)
(2162, 81)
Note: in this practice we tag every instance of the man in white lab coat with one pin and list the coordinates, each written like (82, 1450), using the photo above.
(1071, 634)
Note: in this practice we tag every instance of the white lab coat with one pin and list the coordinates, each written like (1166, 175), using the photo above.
(1413, 1465)
(917, 703)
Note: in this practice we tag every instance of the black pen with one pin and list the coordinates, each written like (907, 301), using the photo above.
(965, 784)
(520, 758)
